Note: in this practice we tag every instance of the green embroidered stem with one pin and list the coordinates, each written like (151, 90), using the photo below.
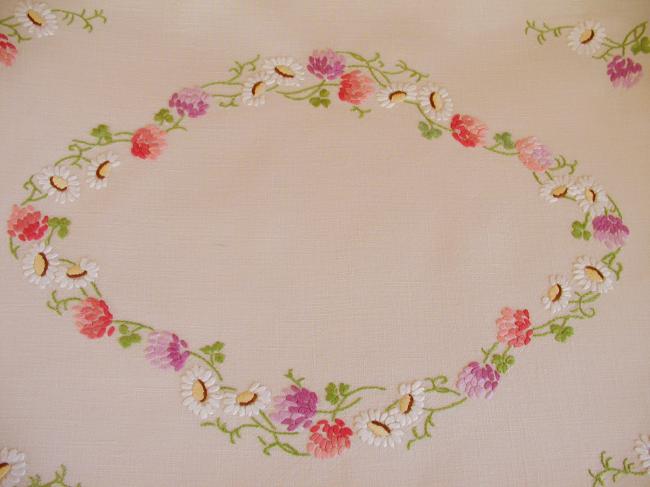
(177, 125)
(134, 325)
(305, 93)
(600, 477)
(80, 147)
(207, 362)
(86, 18)
(35, 193)
(428, 423)
(13, 249)
(426, 117)
(338, 396)
(57, 305)
(609, 259)
(562, 164)
(544, 30)
(238, 69)
(375, 66)
(360, 112)
(58, 480)
(296, 380)
(633, 37)
(493, 148)
(12, 29)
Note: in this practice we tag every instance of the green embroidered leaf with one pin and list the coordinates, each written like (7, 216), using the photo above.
(503, 362)
(61, 225)
(642, 45)
(577, 230)
(123, 329)
(343, 388)
(163, 116)
(325, 102)
(324, 93)
(331, 394)
(505, 139)
(586, 234)
(127, 340)
(102, 133)
(315, 102)
(562, 333)
(218, 357)
(429, 132)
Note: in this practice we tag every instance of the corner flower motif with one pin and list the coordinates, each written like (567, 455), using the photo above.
(355, 87)
(329, 440)
(587, 38)
(642, 449)
(591, 197)
(556, 189)
(378, 428)
(148, 142)
(514, 327)
(398, 93)
(12, 467)
(93, 318)
(410, 405)
(100, 169)
(436, 103)
(165, 350)
(248, 402)
(8, 51)
(77, 276)
(39, 265)
(478, 381)
(624, 72)
(200, 392)
(254, 90)
(59, 182)
(326, 64)
(192, 102)
(468, 130)
(592, 275)
(610, 230)
(284, 71)
(533, 154)
(295, 408)
(26, 224)
(37, 18)
(558, 294)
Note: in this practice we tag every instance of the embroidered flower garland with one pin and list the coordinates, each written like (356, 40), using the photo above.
(589, 38)
(33, 18)
(298, 421)
(627, 468)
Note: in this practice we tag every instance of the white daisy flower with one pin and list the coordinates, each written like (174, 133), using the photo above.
(40, 265)
(200, 392)
(60, 182)
(76, 276)
(37, 18)
(436, 103)
(397, 93)
(284, 71)
(587, 37)
(253, 93)
(379, 429)
(12, 467)
(99, 170)
(642, 448)
(558, 294)
(556, 189)
(411, 403)
(590, 196)
(592, 275)
(249, 402)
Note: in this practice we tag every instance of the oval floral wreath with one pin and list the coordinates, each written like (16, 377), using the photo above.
(298, 421)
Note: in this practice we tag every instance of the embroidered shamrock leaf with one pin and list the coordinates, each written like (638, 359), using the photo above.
(641, 45)
(102, 133)
(321, 100)
(213, 352)
(579, 230)
(503, 362)
(128, 337)
(163, 116)
(429, 131)
(504, 139)
(562, 332)
(60, 225)
(333, 393)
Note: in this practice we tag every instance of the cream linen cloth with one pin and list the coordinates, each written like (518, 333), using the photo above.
(348, 249)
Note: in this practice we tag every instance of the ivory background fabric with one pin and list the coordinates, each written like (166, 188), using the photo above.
(350, 250)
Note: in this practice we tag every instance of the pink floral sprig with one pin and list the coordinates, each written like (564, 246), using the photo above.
(166, 350)
(610, 230)
(93, 318)
(624, 72)
(478, 381)
(514, 327)
(27, 224)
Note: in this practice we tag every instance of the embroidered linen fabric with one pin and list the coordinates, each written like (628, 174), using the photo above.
(352, 247)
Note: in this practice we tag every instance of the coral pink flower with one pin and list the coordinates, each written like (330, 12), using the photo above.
(514, 327)
(93, 318)
(8, 51)
(295, 408)
(166, 350)
(477, 381)
(26, 223)
(355, 87)
(534, 154)
(468, 130)
(148, 142)
(190, 101)
(610, 230)
(624, 72)
(326, 64)
(329, 440)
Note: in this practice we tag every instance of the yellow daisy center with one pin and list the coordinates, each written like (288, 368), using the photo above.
(559, 191)
(590, 195)
(103, 169)
(41, 264)
(258, 88)
(35, 17)
(246, 398)
(406, 403)
(554, 292)
(435, 100)
(75, 272)
(5, 468)
(199, 391)
(593, 274)
(378, 428)
(59, 183)
(397, 96)
(587, 36)
(284, 71)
